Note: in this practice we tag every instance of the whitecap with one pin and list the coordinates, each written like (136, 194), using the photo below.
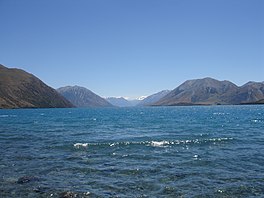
(218, 113)
(79, 145)
(256, 120)
(195, 156)
(4, 116)
(188, 141)
(159, 143)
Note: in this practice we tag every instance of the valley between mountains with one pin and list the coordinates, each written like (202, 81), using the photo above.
(20, 89)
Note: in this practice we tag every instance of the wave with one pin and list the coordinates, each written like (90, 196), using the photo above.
(79, 145)
(159, 143)
(6, 116)
(156, 143)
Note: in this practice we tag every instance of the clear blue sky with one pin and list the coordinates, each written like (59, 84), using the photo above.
(133, 47)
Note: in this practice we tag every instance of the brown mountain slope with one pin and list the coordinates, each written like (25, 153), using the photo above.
(209, 91)
(19, 89)
(205, 91)
(260, 102)
(251, 92)
(82, 97)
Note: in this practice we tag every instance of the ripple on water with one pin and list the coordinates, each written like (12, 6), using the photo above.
(154, 143)
(165, 152)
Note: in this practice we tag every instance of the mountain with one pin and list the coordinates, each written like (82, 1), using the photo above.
(119, 101)
(82, 97)
(19, 89)
(205, 91)
(122, 102)
(141, 98)
(251, 92)
(260, 101)
(153, 98)
(209, 91)
(136, 101)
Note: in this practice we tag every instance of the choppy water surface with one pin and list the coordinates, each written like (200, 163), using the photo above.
(215, 151)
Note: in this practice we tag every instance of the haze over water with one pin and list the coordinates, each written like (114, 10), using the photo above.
(209, 151)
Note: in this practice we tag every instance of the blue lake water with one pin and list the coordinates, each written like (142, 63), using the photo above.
(212, 151)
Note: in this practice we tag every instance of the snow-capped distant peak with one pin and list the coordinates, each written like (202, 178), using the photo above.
(126, 98)
(141, 98)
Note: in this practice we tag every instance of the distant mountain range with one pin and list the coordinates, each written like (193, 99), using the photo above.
(141, 101)
(119, 102)
(122, 102)
(209, 91)
(152, 99)
(19, 89)
(82, 97)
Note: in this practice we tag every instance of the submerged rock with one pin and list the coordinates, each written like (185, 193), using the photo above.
(40, 189)
(68, 195)
(27, 179)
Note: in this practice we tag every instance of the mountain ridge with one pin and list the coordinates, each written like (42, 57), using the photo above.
(151, 99)
(209, 91)
(20, 89)
(119, 101)
(83, 97)
(123, 102)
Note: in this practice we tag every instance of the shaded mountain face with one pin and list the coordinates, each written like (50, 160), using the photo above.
(205, 91)
(209, 91)
(82, 97)
(260, 102)
(250, 92)
(19, 89)
(150, 100)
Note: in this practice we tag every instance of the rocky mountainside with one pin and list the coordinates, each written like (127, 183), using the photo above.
(82, 97)
(260, 102)
(251, 92)
(19, 89)
(153, 98)
(209, 91)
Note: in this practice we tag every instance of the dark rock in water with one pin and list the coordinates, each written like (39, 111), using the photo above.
(68, 195)
(40, 189)
(27, 179)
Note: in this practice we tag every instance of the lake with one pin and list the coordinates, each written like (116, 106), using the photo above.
(197, 151)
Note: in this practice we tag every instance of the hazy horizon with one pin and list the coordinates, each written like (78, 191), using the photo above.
(133, 48)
